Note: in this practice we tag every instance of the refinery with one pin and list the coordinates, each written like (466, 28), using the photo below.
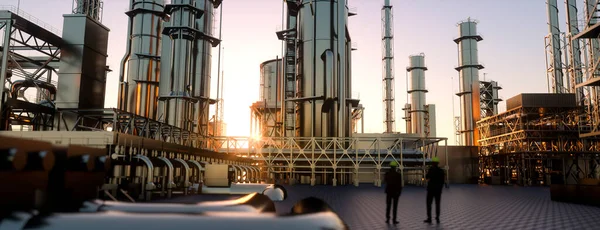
(166, 137)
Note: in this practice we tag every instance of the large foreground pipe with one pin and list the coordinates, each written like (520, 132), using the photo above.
(254, 202)
(273, 191)
(310, 213)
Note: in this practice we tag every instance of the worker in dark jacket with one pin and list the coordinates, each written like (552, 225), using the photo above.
(435, 182)
(393, 189)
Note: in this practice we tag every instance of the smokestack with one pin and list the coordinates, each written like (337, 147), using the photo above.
(388, 65)
(417, 92)
(468, 69)
(555, 64)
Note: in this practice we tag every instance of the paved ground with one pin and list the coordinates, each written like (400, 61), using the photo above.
(463, 207)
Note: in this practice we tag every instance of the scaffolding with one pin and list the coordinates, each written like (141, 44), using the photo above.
(589, 119)
(536, 142)
(489, 98)
(30, 56)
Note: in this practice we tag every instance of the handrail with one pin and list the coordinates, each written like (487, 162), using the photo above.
(31, 18)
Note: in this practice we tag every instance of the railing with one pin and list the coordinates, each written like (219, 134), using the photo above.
(250, 146)
(32, 19)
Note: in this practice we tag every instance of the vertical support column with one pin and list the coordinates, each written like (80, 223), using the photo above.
(4, 60)
(447, 167)
(402, 161)
(356, 170)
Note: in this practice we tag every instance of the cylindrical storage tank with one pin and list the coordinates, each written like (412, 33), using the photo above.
(143, 58)
(417, 92)
(469, 80)
(270, 81)
(178, 105)
(270, 96)
(315, 39)
(201, 68)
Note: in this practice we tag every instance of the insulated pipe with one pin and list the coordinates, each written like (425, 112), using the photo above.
(200, 168)
(186, 180)
(248, 173)
(252, 203)
(329, 87)
(310, 219)
(238, 172)
(150, 180)
(170, 182)
(17, 85)
(342, 121)
(122, 103)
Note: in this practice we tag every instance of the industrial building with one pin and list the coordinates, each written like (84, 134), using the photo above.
(305, 127)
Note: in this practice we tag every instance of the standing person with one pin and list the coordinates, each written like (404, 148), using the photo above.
(435, 183)
(393, 189)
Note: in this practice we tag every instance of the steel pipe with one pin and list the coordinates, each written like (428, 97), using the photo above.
(159, 221)
(149, 179)
(186, 180)
(170, 180)
(253, 203)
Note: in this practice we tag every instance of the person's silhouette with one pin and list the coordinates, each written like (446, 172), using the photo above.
(435, 184)
(393, 189)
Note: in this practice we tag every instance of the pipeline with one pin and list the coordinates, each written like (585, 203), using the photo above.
(17, 85)
(310, 213)
(254, 203)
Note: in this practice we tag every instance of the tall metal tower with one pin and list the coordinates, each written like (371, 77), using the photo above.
(417, 91)
(468, 68)
(388, 65)
(555, 42)
(575, 69)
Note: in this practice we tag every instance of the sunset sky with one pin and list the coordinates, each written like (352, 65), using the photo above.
(512, 50)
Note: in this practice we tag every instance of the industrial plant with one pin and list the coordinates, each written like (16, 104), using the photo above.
(163, 140)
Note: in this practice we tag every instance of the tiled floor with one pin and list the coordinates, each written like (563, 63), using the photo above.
(463, 207)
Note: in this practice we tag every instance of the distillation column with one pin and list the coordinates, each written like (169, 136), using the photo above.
(176, 101)
(323, 70)
(468, 69)
(140, 67)
(555, 64)
(417, 93)
(388, 65)
(575, 71)
(202, 62)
